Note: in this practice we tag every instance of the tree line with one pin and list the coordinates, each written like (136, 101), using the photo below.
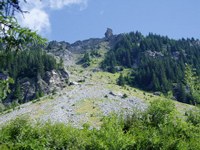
(158, 63)
(30, 64)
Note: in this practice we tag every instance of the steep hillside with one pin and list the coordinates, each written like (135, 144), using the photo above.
(74, 118)
(158, 63)
(91, 95)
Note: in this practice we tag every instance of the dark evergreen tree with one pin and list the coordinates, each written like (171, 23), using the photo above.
(17, 93)
(181, 94)
(86, 60)
(121, 80)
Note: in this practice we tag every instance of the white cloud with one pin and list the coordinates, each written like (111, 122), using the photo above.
(59, 4)
(37, 19)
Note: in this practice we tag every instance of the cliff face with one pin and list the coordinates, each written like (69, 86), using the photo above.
(60, 49)
(31, 88)
(52, 82)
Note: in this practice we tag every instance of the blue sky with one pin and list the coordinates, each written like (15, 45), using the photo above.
(72, 20)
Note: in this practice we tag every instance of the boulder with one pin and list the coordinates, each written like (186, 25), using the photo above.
(116, 94)
(73, 83)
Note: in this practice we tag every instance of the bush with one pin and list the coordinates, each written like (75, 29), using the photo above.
(124, 96)
(157, 128)
(193, 116)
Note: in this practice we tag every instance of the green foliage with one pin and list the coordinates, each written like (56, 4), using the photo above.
(88, 56)
(13, 36)
(157, 62)
(193, 116)
(28, 63)
(95, 53)
(193, 82)
(125, 95)
(61, 63)
(86, 60)
(160, 127)
(17, 93)
(121, 80)
(111, 135)
(160, 112)
(5, 88)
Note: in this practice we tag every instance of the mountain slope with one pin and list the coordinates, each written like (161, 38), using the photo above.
(92, 96)
(157, 63)
(92, 93)
(85, 103)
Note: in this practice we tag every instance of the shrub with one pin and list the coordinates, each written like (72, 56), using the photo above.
(157, 128)
(193, 116)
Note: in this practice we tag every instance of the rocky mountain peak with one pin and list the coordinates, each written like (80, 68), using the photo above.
(108, 33)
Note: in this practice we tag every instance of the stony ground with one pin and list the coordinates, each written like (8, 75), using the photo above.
(93, 95)
(85, 102)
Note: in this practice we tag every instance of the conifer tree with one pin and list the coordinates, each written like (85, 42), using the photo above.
(121, 80)
(17, 93)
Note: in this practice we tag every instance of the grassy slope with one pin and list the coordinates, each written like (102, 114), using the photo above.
(109, 80)
(88, 106)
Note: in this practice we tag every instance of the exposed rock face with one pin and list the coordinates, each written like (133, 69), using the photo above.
(60, 49)
(52, 81)
(154, 53)
(28, 89)
(58, 45)
(66, 50)
(109, 33)
(56, 80)
(83, 46)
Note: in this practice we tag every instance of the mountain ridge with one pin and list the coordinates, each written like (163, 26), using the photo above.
(144, 55)
(92, 92)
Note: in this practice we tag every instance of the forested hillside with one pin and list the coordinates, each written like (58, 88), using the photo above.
(29, 72)
(23, 64)
(158, 63)
(26, 63)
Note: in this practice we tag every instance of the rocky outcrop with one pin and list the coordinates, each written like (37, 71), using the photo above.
(56, 79)
(154, 53)
(81, 47)
(52, 81)
(66, 50)
(28, 89)
(109, 33)
(57, 45)
(60, 49)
